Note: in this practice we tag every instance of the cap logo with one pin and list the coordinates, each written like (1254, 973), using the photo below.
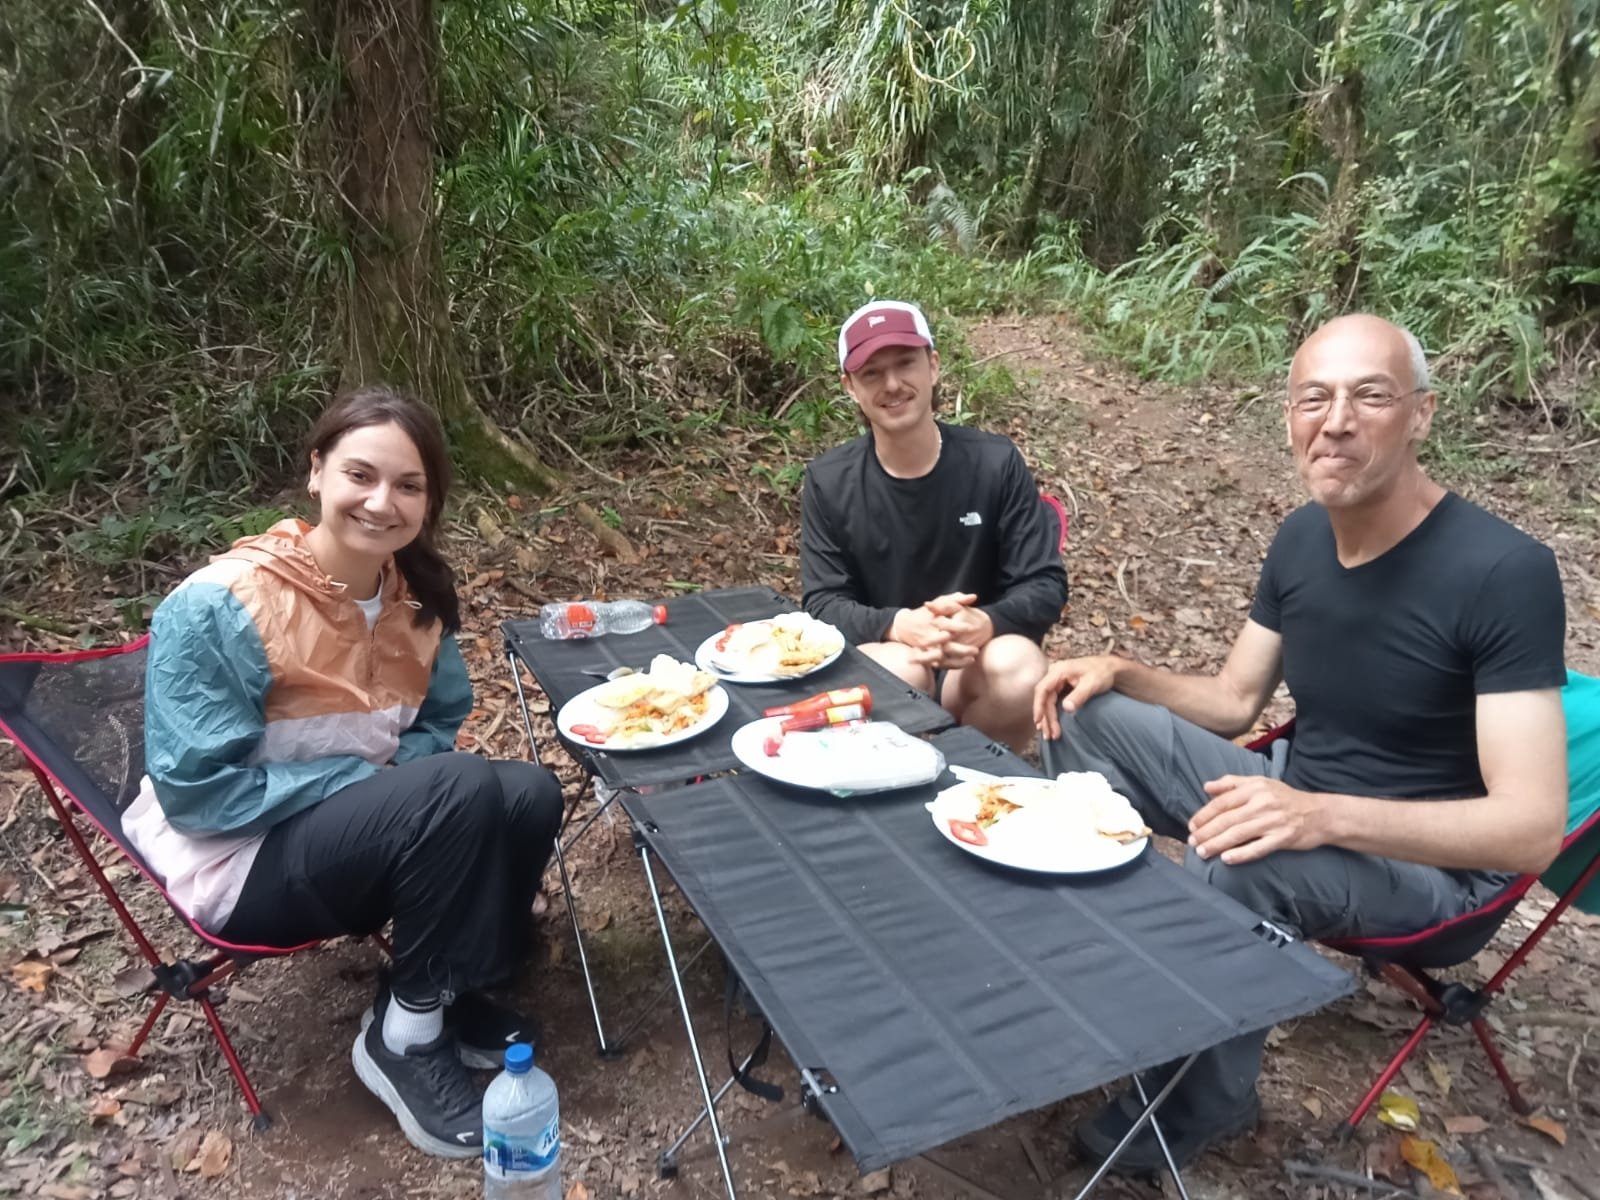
(871, 321)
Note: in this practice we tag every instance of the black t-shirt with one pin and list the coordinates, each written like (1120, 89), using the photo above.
(871, 544)
(1386, 660)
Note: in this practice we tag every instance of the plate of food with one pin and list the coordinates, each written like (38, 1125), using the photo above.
(1073, 824)
(788, 646)
(669, 703)
(847, 760)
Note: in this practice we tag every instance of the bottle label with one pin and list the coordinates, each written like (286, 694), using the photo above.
(510, 1154)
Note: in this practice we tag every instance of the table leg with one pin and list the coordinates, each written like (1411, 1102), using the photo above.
(688, 1026)
(1161, 1140)
(583, 954)
(522, 703)
(1147, 1114)
(667, 1160)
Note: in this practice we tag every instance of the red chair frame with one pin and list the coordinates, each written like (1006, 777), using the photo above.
(1063, 519)
(1405, 961)
(184, 979)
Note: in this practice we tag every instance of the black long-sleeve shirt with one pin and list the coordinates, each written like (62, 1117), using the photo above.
(871, 544)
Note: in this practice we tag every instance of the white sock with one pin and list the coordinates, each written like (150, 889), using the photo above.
(406, 1027)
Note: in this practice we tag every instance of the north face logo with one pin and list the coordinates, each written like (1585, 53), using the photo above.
(971, 519)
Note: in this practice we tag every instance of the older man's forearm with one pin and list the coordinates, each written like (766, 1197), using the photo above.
(1208, 701)
(1483, 833)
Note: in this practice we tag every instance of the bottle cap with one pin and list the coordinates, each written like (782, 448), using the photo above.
(660, 614)
(519, 1057)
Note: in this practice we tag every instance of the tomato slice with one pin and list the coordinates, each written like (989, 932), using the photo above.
(590, 734)
(722, 642)
(969, 832)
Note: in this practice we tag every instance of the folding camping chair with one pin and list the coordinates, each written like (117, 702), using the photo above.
(1063, 519)
(1406, 961)
(78, 719)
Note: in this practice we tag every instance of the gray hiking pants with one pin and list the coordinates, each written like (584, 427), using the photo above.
(1161, 762)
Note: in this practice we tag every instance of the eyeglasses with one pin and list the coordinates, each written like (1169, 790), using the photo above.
(1366, 401)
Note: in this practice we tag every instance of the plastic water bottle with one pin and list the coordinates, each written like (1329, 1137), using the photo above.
(521, 1132)
(591, 618)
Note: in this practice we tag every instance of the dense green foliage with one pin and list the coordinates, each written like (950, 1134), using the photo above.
(651, 218)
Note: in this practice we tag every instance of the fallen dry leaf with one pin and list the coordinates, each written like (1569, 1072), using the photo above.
(1385, 1161)
(1549, 1186)
(32, 975)
(1465, 1124)
(489, 530)
(1399, 1111)
(577, 1192)
(1425, 1157)
(104, 1108)
(130, 981)
(184, 1149)
(1552, 1129)
(216, 1151)
(1441, 1076)
(877, 1182)
(1313, 1106)
(109, 1061)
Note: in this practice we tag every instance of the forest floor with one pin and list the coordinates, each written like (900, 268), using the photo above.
(1175, 494)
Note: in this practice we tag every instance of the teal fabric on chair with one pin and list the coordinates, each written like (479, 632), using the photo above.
(1581, 701)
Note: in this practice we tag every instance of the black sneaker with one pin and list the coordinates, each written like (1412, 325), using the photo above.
(482, 1028)
(428, 1090)
(1097, 1136)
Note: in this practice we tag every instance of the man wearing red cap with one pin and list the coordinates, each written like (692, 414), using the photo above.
(926, 544)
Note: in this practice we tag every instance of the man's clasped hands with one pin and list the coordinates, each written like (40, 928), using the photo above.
(946, 633)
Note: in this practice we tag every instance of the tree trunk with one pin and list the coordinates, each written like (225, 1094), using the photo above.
(398, 311)
(1343, 127)
(1106, 148)
(1041, 147)
(1572, 175)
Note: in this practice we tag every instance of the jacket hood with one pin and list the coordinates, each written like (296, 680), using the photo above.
(282, 552)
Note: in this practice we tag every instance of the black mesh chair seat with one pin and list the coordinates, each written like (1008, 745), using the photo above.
(78, 720)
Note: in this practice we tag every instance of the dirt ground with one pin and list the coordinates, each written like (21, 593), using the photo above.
(1174, 495)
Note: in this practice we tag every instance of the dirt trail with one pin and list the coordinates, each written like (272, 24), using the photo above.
(1174, 496)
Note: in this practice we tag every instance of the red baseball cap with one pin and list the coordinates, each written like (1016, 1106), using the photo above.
(878, 324)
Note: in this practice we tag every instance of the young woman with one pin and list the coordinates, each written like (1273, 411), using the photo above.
(303, 696)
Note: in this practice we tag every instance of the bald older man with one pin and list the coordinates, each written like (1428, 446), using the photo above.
(1421, 638)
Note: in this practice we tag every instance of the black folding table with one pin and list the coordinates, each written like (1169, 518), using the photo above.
(566, 668)
(925, 994)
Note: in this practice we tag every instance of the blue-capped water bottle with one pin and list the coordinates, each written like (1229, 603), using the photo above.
(521, 1132)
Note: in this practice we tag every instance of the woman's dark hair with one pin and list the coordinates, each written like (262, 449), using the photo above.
(432, 582)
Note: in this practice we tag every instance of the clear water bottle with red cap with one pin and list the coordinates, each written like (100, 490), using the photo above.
(591, 618)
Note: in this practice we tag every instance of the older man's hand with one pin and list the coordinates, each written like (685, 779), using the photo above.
(1250, 816)
(1081, 679)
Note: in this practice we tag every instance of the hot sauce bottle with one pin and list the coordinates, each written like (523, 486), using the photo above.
(822, 701)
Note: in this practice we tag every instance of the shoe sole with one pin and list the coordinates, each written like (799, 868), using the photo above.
(478, 1060)
(378, 1084)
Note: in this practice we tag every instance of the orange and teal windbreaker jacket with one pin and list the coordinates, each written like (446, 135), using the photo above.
(266, 693)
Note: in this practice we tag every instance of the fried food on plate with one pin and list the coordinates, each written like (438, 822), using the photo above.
(785, 645)
(668, 698)
(1077, 805)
